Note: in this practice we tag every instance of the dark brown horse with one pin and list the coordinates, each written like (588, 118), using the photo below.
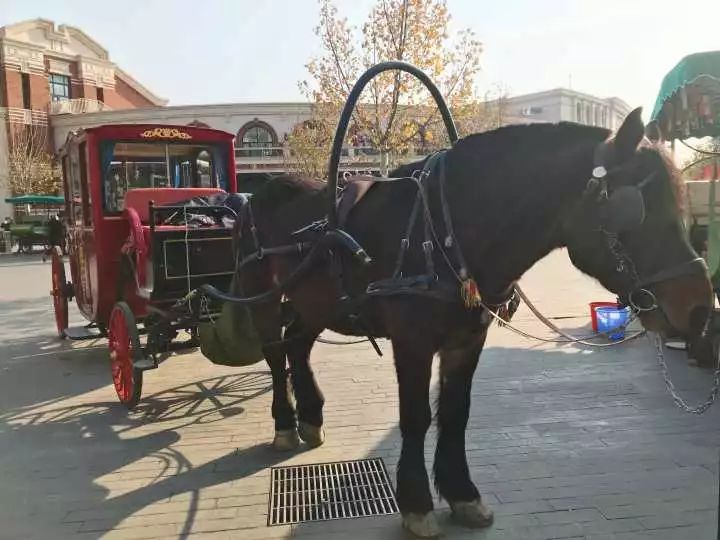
(515, 194)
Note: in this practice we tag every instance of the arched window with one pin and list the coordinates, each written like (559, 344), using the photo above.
(257, 139)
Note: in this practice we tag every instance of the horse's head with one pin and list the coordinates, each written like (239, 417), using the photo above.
(627, 231)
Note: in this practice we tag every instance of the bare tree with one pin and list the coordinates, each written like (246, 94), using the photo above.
(31, 168)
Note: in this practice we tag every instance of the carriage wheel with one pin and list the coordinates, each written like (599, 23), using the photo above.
(58, 292)
(124, 343)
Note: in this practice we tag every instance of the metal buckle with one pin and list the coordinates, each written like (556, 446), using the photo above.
(639, 308)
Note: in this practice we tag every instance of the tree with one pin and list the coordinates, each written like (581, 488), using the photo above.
(396, 111)
(702, 158)
(31, 168)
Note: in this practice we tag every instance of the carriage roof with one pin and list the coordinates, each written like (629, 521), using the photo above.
(147, 132)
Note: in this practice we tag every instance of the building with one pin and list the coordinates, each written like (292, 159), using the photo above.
(262, 128)
(47, 69)
(61, 78)
(564, 105)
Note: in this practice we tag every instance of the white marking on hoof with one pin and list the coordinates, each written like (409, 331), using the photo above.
(286, 439)
(421, 525)
(312, 435)
(474, 514)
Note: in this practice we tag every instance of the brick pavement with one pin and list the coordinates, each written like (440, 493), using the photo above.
(565, 443)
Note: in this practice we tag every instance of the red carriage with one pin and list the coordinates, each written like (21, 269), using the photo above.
(145, 224)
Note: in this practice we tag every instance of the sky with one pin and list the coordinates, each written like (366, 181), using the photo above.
(223, 51)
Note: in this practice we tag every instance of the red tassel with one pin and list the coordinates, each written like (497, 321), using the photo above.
(470, 293)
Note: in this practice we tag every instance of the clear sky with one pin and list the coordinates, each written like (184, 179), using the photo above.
(214, 51)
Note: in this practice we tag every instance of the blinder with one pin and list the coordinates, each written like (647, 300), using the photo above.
(624, 210)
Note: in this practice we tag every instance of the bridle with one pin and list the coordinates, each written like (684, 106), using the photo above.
(625, 211)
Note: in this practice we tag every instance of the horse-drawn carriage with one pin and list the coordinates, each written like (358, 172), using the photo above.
(147, 221)
(441, 267)
(36, 221)
(688, 107)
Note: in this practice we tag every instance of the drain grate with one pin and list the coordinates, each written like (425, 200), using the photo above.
(325, 491)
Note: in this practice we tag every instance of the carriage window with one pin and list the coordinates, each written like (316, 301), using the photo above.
(130, 165)
(75, 188)
(85, 189)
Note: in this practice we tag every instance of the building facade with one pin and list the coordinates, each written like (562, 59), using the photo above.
(47, 69)
(565, 105)
(59, 78)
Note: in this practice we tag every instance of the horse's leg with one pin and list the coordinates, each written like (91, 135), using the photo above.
(268, 324)
(452, 476)
(310, 400)
(413, 363)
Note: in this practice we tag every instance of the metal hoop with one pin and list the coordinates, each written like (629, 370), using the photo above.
(639, 308)
(347, 111)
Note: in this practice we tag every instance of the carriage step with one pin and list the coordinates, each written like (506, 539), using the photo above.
(144, 364)
(77, 333)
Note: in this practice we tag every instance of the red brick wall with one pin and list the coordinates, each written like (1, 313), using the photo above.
(13, 88)
(39, 92)
(124, 97)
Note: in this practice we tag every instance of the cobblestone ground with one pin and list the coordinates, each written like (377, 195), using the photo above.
(563, 442)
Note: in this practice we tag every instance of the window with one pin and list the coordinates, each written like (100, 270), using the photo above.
(59, 87)
(259, 139)
(578, 113)
(588, 114)
(25, 90)
(597, 116)
(603, 117)
(128, 165)
(84, 188)
(100, 94)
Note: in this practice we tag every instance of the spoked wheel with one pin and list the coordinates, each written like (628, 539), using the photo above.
(59, 291)
(124, 344)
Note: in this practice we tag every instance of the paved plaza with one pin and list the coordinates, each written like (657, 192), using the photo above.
(563, 442)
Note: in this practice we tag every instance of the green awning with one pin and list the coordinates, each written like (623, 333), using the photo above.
(700, 69)
(36, 199)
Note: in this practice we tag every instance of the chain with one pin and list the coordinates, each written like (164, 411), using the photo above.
(679, 401)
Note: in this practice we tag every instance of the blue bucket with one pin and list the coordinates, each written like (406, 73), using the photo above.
(612, 321)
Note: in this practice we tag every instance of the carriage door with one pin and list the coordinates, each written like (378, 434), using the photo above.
(83, 237)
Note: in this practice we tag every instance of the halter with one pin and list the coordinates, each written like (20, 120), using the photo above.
(639, 297)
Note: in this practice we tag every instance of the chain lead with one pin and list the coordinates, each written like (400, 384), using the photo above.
(679, 401)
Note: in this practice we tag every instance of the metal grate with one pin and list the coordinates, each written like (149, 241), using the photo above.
(325, 491)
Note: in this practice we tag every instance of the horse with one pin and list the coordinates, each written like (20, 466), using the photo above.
(513, 195)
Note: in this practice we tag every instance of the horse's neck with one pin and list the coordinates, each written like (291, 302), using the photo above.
(518, 219)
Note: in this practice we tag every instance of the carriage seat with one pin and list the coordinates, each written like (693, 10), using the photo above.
(139, 198)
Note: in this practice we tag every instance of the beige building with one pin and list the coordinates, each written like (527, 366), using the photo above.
(78, 87)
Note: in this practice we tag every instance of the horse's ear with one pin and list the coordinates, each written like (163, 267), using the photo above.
(629, 135)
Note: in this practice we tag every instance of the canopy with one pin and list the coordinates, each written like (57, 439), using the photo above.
(36, 199)
(688, 104)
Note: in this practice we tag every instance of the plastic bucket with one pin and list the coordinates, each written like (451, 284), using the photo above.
(612, 320)
(593, 307)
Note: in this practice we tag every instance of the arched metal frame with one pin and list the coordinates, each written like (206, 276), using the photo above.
(344, 122)
(333, 237)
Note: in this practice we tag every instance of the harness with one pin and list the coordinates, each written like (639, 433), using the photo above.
(624, 212)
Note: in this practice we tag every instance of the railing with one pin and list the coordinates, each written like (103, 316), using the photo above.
(77, 106)
(276, 158)
(28, 117)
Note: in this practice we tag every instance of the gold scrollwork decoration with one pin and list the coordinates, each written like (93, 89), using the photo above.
(165, 133)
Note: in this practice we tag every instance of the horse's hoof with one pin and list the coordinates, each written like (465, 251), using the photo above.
(421, 525)
(474, 514)
(313, 436)
(286, 439)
